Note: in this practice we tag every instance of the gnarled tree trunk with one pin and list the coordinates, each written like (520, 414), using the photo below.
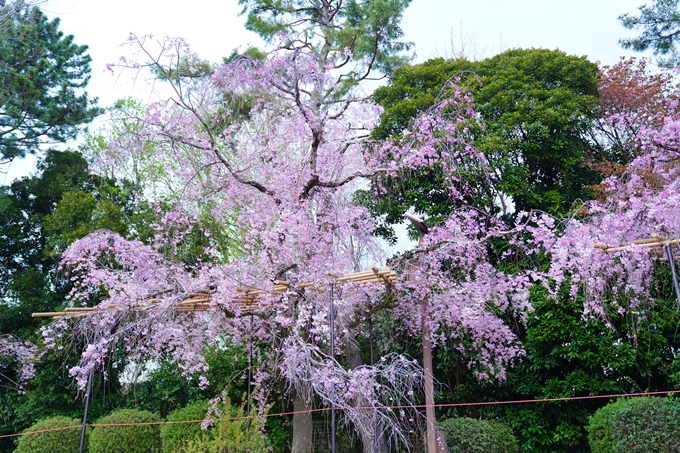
(369, 430)
(303, 430)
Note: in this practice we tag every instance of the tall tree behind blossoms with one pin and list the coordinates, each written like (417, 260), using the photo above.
(42, 81)
(275, 148)
(631, 100)
(660, 24)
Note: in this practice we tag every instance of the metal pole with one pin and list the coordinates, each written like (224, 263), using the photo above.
(332, 315)
(375, 423)
(250, 366)
(370, 337)
(674, 274)
(87, 406)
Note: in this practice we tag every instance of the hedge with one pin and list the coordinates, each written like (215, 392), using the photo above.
(639, 425)
(469, 435)
(647, 425)
(175, 436)
(126, 439)
(601, 427)
(62, 441)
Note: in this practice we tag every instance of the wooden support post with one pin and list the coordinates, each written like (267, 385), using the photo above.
(430, 419)
(429, 386)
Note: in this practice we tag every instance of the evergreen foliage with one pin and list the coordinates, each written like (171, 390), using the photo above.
(535, 109)
(469, 435)
(647, 424)
(127, 439)
(660, 24)
(58, 441)
(42, 80)
(176, 436)
(365, 33)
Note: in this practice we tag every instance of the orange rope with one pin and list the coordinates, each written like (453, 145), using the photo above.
(325, 409)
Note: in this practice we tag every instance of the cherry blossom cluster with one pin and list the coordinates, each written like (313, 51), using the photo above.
(642, 203)
(24, 356)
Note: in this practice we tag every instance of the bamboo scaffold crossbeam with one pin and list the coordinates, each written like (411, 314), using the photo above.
(654, 241)
(248, 299)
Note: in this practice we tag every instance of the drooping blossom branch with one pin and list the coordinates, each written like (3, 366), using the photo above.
(378, 400)
(20, 355)
(644, 201)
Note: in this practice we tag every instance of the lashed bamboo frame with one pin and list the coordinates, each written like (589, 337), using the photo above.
(248, 299)
(654, 241)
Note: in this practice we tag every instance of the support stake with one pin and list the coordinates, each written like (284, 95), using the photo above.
(250, 367)
(332, 320)
(87, 406)
(674, 274)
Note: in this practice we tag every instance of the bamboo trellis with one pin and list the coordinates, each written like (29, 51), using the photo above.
(654, 241)
(248, 299)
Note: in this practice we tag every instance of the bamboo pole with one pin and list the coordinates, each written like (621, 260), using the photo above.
(628, 247)
(655, 241)
(49, 314)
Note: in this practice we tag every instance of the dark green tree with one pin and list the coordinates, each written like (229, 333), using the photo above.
(43, 75)
(39, 216)
(660, 25)
(536, 107)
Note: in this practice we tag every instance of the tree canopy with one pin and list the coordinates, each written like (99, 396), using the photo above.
(660, 25)
(359, 37)
(43, 76)
(535, 108)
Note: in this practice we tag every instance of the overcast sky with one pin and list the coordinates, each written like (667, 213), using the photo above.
(436, 27)
(214, 28)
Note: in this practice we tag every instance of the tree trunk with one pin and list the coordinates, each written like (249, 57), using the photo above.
(303, 430)
(370, 432)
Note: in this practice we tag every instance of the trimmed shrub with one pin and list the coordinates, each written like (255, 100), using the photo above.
(234, 435)
(63, 441)
(126, 439)
(469, 435)
(647, 424)
(174, 436)
(601, 427)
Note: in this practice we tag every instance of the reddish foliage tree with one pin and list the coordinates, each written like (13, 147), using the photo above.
(632, 99)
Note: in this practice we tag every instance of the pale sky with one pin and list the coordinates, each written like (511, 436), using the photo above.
(214, 29)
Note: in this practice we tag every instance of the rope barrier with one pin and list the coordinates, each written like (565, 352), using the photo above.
(326, 409)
